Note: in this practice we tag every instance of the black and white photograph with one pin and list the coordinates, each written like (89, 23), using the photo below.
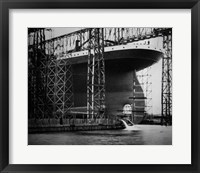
(100, 86)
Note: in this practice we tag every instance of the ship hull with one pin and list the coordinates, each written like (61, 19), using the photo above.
(121, 83)
(120, 74)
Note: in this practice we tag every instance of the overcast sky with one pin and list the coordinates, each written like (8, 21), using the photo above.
(155, 71)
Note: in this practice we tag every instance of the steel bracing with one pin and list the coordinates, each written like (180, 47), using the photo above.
(145, 81)
(50, 79)
(96, 75)
(167, 80)
(59, 87)
(50, 72)
(37, 74)
(31, 90)
(148, 90)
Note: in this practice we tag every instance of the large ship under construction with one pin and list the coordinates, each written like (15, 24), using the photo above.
(88, 77)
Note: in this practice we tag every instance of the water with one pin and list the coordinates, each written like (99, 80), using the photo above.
(138, 135)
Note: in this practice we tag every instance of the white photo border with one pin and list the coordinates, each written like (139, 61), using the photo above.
(21, 153)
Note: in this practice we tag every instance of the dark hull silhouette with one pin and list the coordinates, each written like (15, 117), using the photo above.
(120, 72)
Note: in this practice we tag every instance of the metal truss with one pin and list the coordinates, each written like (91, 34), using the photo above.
(41, 85)
(59, 87)
(51, 87)
(138, 95)
(167, 80)
(144, 78)
(50, 72)
(79, 40)
(50, 78)
(31, 90)
(148, 91)
(96, 75)
(37, 73)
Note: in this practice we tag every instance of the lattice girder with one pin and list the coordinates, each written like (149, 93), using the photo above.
(167, 80)
(59, 86)
(96, 75)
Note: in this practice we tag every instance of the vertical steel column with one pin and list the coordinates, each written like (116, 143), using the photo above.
(31, 87)
(51, 71)
(96, 75)
(41, 73)
(31, 76)
(64, 86)
(134, 95)
(37, 72)
(147, 88)
(68, 92)
(59, 86)
(167, 80)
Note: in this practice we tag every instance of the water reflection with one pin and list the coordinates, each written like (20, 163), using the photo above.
(141, 135)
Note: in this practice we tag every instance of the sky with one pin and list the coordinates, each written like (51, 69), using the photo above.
(155, 71)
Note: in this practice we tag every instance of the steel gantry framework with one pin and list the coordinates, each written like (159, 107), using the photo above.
(50, 78)
(145, 81)
(50, 70)
(59, 87)
(37, 74)
(148, 91)
(96, 75)
(167, 79)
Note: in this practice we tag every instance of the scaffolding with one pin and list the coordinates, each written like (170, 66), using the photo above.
(50, 78)
(145, 79)
(59, 87)
(148, 92)
(37, 72)
(96, 75)
(167, 80)
(50, 71)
